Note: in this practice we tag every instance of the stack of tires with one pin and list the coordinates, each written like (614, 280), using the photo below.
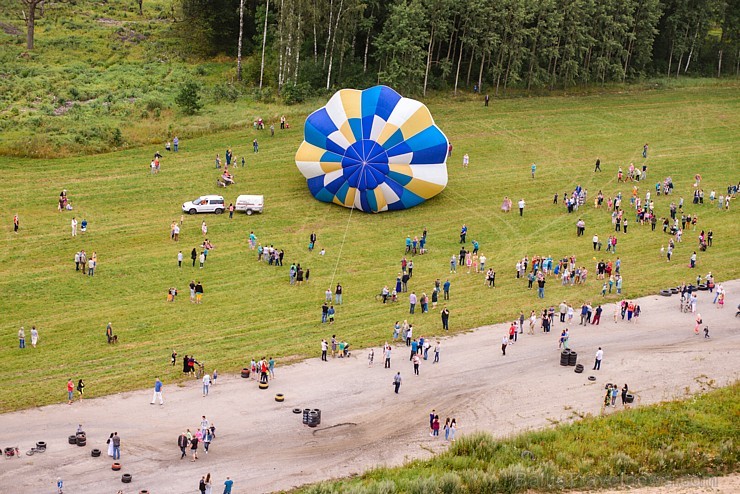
(312, 417)
(264, 385)
(572, 358)
(81, 439)
(95, 453)
(565, 358)
(245, 373)
(579, 369)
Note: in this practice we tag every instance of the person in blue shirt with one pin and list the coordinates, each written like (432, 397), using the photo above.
(475, 246)
(228, 484)
(83, 225)
(463, 233)
(534, 169)
(446, 290)
(414, 348)
(408, 244)
(157, 392)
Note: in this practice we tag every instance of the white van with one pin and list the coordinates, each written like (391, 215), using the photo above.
(250, 204)
(204, 204)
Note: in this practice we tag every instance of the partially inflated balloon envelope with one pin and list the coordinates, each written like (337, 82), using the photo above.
(373, 150)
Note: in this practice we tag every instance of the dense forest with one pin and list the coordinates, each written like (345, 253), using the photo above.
(299, 45)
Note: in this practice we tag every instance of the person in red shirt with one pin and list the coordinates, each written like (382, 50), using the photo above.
(512, 333)
(70, 390)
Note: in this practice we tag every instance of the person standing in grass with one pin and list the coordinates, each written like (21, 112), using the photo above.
(445, 318)
(74, 227)
(453, 429)
(22, 338)
(15, 223)
(194, 255)
(81, 388)
(70, 391)
(534, 169)
(198, 292)
(34, 336)
(179, 259)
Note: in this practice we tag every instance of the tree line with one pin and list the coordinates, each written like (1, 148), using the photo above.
(419, 45)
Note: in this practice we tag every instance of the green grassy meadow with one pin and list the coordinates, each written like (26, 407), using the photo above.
(249, 309)
(693, 439)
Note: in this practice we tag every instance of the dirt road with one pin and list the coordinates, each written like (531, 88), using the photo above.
(264, 447)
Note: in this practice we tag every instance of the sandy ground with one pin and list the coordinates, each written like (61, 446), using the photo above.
(264, 447)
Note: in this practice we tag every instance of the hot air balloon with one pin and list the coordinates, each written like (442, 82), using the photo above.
(373, 150)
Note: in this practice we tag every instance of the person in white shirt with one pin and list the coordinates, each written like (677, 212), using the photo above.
(521, 207)
(74, 227)
(599, 356)
(179, 259)
(504, 343)
(206, 385)
(466, 160)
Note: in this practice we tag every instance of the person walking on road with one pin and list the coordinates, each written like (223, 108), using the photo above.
(599, 356)
(182, 443)
(504, 344)
(157, 392)
(397, 381)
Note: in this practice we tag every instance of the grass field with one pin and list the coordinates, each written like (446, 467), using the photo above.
(636, 448)
(249, 310)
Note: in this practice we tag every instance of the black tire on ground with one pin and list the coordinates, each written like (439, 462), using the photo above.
(629, 398)
(312, 424)
(264, 385)
(72, 439)
(666, 293)
(675, 291)
(81, 443)
(591, 378)
(126, 478)
(703, 287)
(41, 445)
(116, 466)
(297, 410)
(245, 373)
(95, 453)
(527, 455)
(279, 397)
